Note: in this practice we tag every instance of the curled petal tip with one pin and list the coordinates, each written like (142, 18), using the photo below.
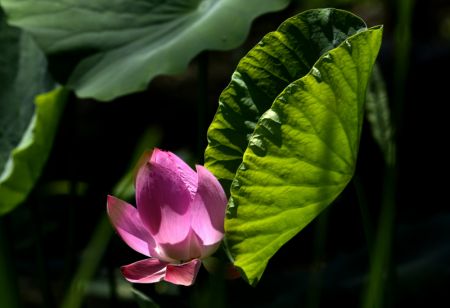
(183, 274)
(145, 271)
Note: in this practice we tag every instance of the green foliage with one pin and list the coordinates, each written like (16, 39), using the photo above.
(23, 76)
(302, 128)
(279, 59)
(25, 164)
(143, 300)
(28, 119)
(117, 47)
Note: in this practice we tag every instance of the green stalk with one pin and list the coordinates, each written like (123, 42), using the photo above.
(9, 291)
(381, 274)
(315, 279)
(380, 282)
(402, 57)
(202, 108)
(89, 263)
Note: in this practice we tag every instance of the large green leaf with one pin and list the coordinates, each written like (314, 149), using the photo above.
(27, 123)
(280, 58)
(23, 75)
(127, 43)
(302, 151)
(26, 161)
(23, 145)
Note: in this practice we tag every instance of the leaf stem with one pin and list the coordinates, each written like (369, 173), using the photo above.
(381, 275)
(90, 261)
(315, 280)
(202, 108)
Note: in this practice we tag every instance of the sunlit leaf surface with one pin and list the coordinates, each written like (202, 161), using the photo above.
(302, 151)
(118, 46)
(280, 58)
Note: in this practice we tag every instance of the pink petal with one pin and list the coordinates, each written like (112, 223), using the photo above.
(145, 271)
(189, 248)
(178, 166)
(163, 203)
(208, 208)
(125, 219)
(183, 274)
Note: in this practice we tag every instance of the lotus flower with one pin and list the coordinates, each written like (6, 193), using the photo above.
(178, 220)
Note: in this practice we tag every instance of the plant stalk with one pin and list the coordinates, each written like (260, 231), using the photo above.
(202, 108)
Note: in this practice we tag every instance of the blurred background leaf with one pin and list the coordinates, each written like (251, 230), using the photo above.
(121, 45)
(379, 115)
(94, 143)
(28, 118)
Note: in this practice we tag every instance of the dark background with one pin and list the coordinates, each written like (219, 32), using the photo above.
(96, 140)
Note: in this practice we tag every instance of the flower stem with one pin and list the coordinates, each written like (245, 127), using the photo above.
(90, 262)
(315, 279)
(381, 274)
(381, 278)
(202, 107)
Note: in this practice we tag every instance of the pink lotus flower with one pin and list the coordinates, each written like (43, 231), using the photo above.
(178, 220)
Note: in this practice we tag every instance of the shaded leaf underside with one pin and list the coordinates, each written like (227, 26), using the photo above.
(27, 160)
(23, 75)
(28, 119)
(120, 45)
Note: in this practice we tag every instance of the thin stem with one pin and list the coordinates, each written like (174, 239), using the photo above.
(381, 275)
(315, 280)
(402, 36)
(202, 108)
(90, 262)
